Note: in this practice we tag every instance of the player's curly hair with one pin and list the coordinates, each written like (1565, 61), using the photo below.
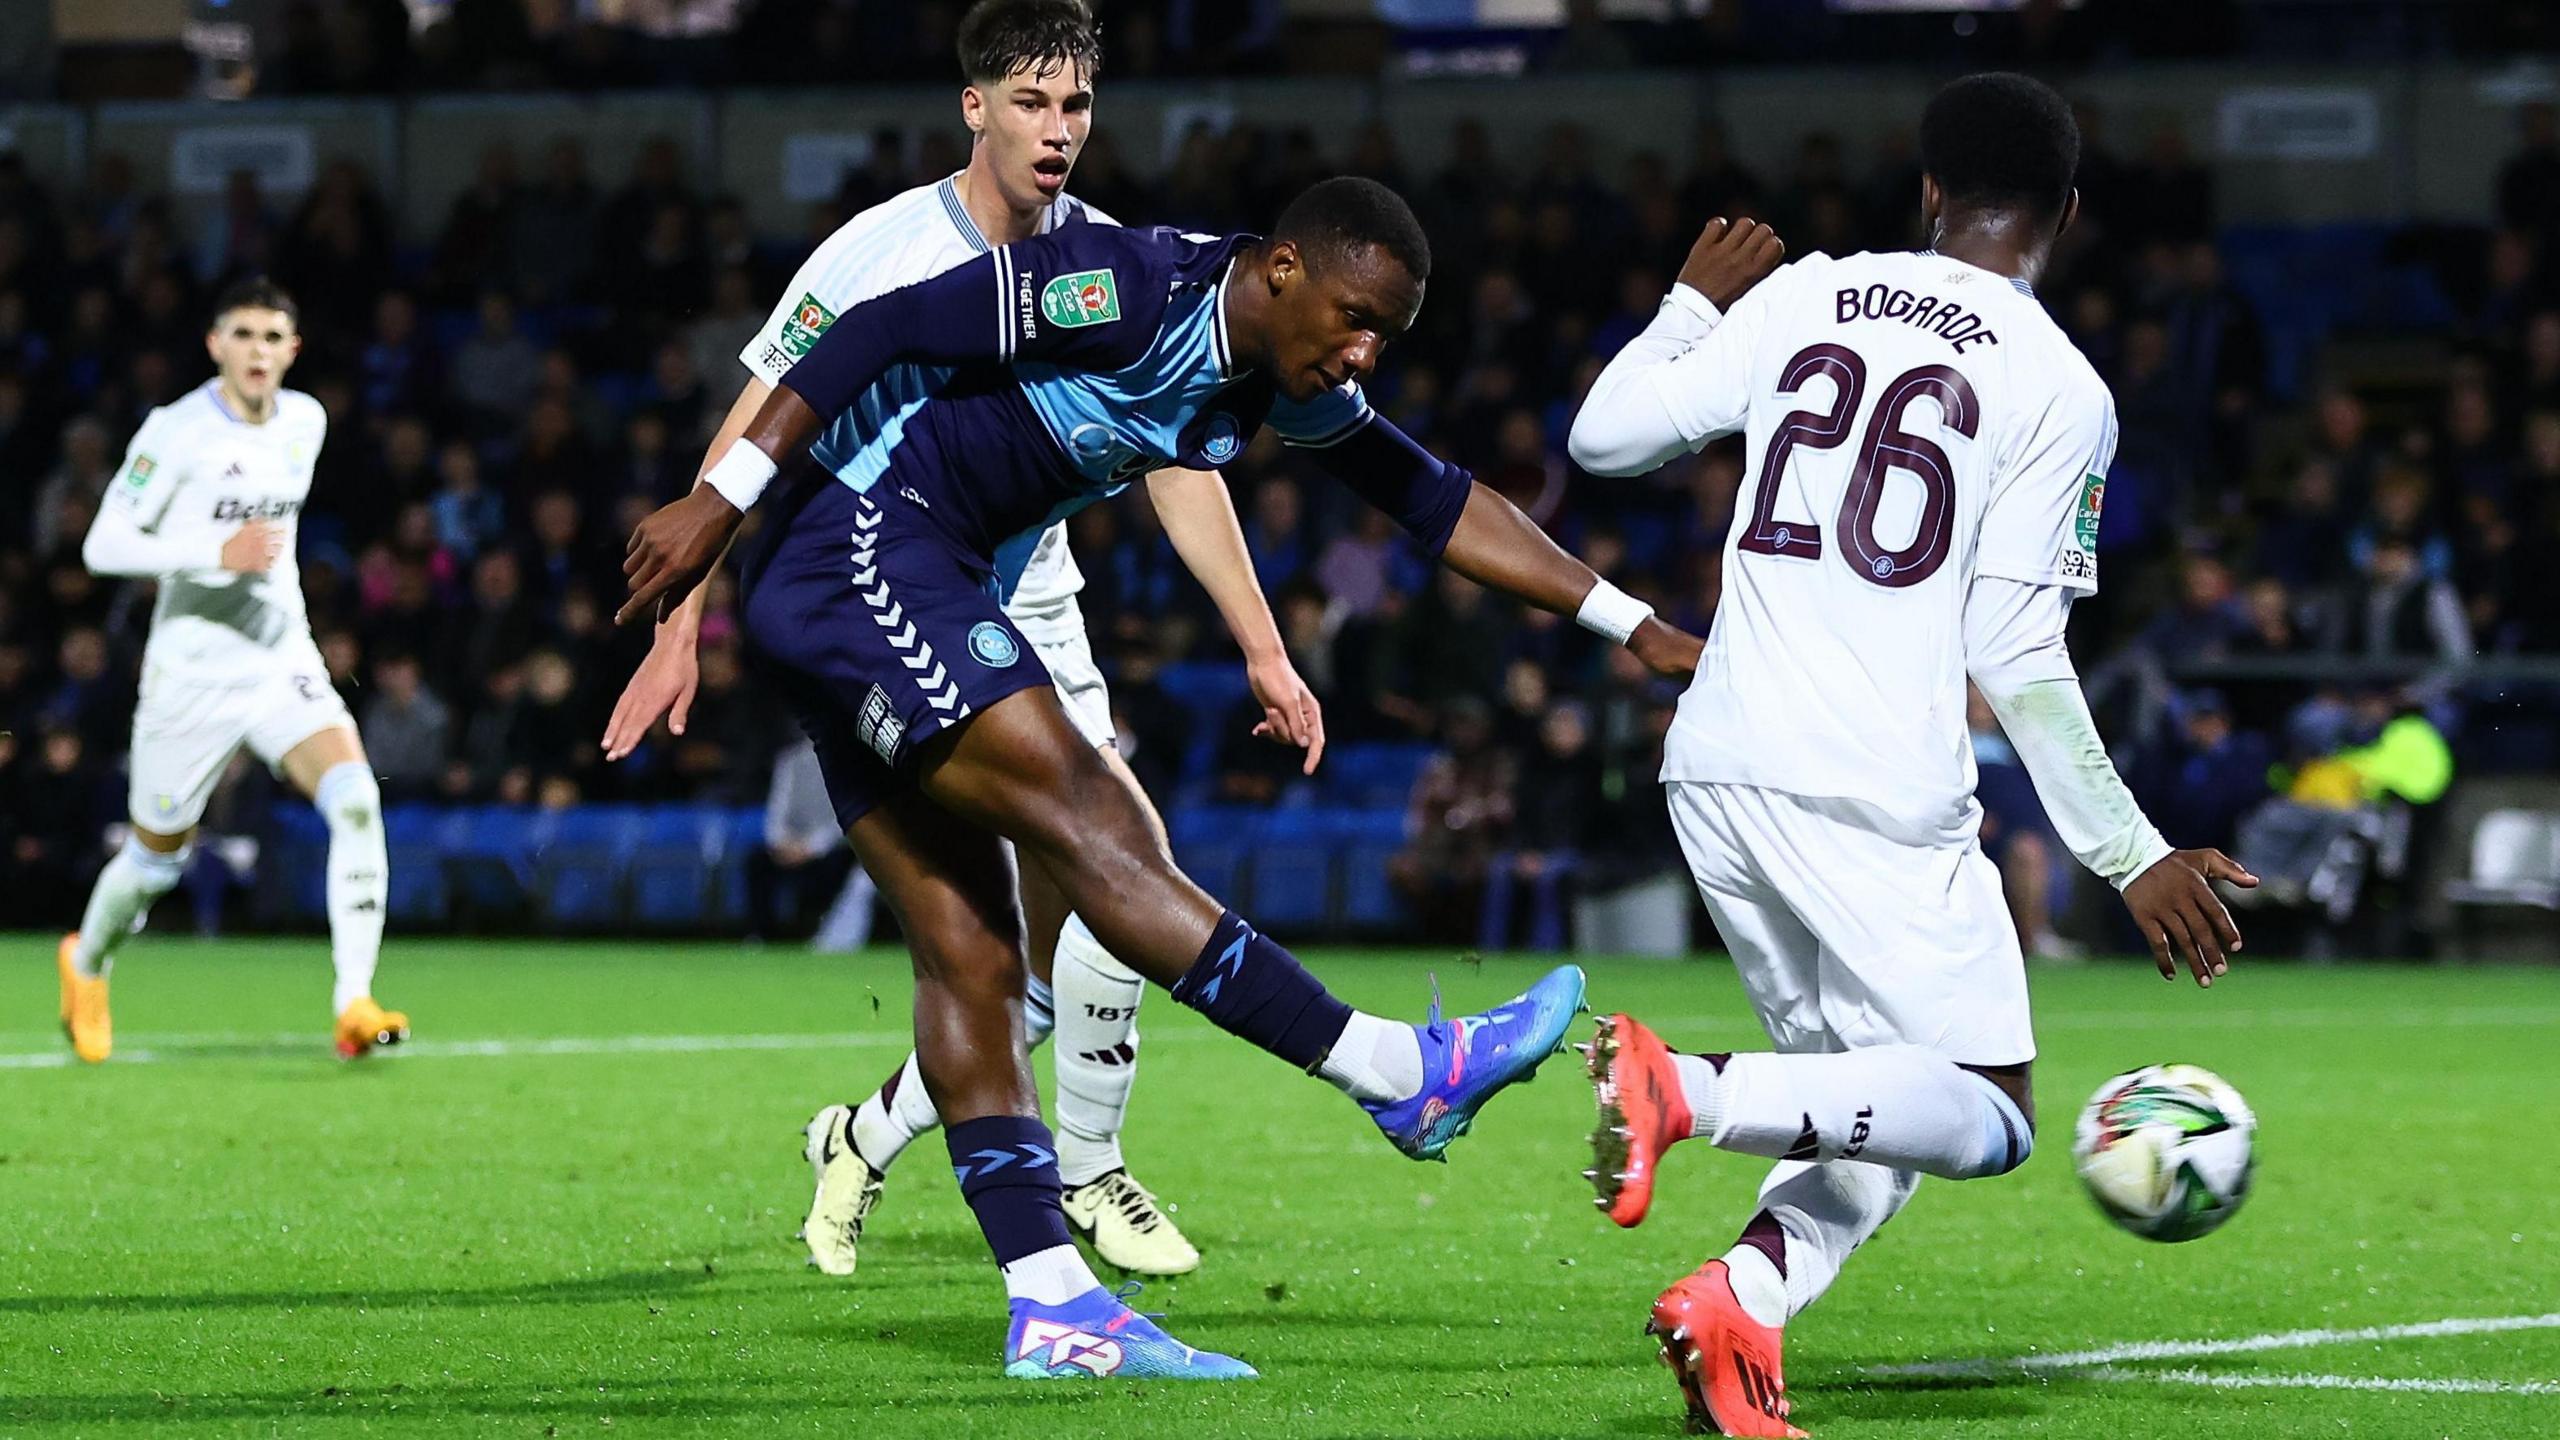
(254, 292)
(1332, 218)
(998, 37)
(2003, 141)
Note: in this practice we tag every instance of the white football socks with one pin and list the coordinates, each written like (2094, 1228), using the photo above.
(1049, 1277)
(1097, 1054)
(121, 899)
(894, 1116)
(891, 1118)
(1904, 1107)
(359, 876)
(1379, 1061)
(1824, 1212)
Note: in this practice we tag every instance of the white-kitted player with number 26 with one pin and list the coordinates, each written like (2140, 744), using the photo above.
(1928, 457)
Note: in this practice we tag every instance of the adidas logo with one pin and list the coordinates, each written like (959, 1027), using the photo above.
(1762, 1389)
(1808, 1144)
(1121, 1054)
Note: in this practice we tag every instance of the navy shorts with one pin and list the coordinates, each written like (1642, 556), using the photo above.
(877, 632)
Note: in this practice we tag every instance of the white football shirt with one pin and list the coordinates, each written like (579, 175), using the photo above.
(1912, 422)
(195, 474)
(911, 236)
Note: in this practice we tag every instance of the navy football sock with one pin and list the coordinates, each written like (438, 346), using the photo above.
(1008, 1171)
(1253, 989)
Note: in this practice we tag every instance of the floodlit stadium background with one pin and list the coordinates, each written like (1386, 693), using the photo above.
(2317, 265)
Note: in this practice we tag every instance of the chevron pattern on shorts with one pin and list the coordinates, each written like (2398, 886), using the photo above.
(914, 651)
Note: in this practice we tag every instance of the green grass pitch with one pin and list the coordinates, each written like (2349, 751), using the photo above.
(570, 1211)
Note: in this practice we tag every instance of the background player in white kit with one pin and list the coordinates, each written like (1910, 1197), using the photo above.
(1928, 456)
(208, 504)
(1029, 67)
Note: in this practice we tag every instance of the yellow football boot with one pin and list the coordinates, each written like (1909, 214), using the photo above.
(364, 1025)
(84, 1006)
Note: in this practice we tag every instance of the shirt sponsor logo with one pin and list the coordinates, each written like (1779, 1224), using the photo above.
(993, 645)
(140, 472)
(807, 321)
(231, 508)
(879, 725)
(1088, 297)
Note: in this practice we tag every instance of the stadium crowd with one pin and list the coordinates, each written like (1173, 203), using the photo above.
(507, 400)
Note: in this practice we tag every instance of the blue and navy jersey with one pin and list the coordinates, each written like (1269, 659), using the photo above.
(1078, 361)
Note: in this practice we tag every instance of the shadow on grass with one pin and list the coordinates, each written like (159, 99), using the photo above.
(630, 1285)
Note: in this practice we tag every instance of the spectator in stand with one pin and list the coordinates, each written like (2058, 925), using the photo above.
(2016, 834)
(551, 238)
(2198, 781)
(406, 729)
(1556, 810)
(1460, 815)
(60, 799)
(2529, 182)
(495, 370)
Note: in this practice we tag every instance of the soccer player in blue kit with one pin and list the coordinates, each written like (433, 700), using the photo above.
(1065, 367)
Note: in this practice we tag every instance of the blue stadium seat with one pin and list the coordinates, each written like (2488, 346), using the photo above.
(1292, 887)
(1369, 902)
(1217, 866)
(419, 895)
(1374, 773)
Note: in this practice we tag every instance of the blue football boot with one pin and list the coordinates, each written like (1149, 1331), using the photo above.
(1466, 1061)
(1097, 1337)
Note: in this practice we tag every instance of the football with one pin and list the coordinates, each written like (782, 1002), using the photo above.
(2167, 1151)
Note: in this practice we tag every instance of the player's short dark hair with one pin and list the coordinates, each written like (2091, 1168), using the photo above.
(257, 292)
(1332, 218)
(998, 37)
(2003, 141)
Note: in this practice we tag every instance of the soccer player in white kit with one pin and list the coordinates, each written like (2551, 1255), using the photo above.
(1028, 102)
(208, 504)
(1928, 455)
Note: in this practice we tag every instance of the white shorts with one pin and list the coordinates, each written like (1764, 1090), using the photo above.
(1058, 637)
(1847, 937)
(186, 731)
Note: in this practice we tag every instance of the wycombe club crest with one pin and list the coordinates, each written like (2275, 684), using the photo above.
(993, 645)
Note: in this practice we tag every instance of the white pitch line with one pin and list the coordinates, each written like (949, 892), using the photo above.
(2240, 1345)
(206, 1047)
(2247, 1381)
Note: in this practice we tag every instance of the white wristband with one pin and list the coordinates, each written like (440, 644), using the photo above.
(741, 474)
(1612, 612)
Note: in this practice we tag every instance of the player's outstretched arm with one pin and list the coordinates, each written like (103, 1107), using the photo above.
(1497, 546)
(664, 684)
(1200, 519)
(2015, 653)
(1684, 380)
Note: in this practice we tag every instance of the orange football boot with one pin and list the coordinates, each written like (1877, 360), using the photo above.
(1727, 1362)
(364, 1025)
(84, 1006)
(1642, 1113)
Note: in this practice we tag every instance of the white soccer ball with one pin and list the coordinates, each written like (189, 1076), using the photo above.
(2167, 1151)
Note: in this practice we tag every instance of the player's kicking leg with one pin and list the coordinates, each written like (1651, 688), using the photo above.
(1853, 1113)
(1019, 769)
(329, 766)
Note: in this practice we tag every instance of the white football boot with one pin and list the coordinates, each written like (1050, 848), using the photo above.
(847, 1188)
(1127, 1228)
